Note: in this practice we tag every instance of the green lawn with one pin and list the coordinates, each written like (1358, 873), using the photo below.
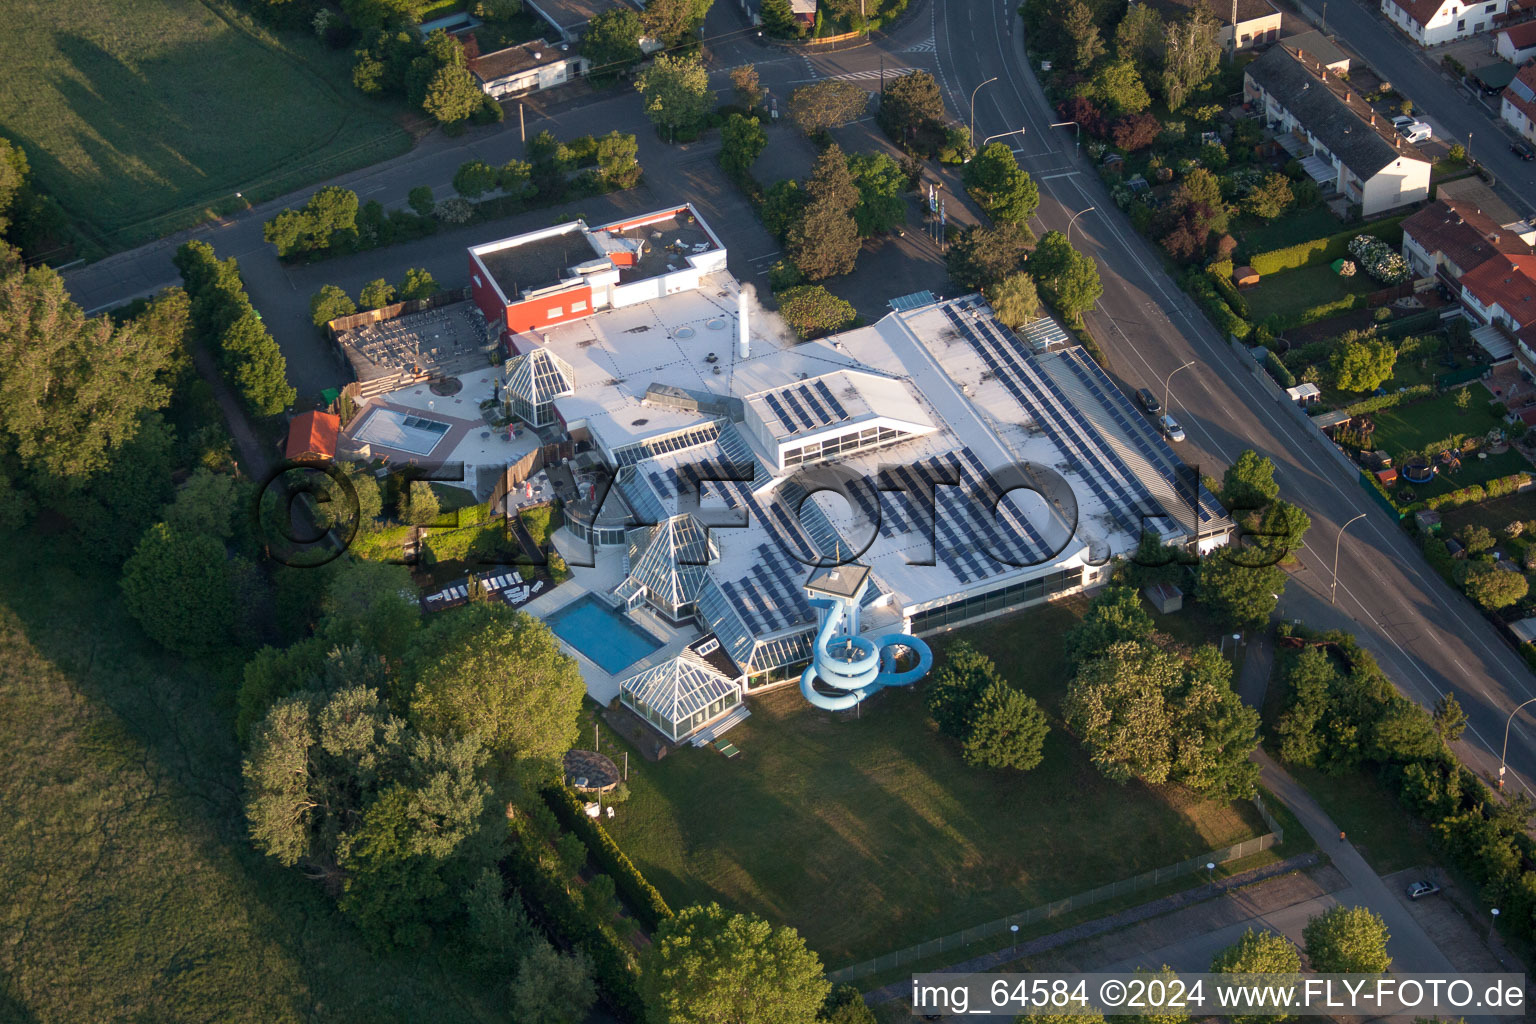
(1295, 227)
(1296, 290)
(142, 116)
(1410, 427)
(1495, 515)
(869, 834)
(132, 893)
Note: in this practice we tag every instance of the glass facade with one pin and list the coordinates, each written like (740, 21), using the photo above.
(971, 606)
(602, 536)
(677, 730)
(842, 444)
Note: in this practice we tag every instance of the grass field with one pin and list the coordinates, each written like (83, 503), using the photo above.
(1411, 427)
(144, 116)
(1296, 290)
(1295, 227)
(869, 834)
(132, 893)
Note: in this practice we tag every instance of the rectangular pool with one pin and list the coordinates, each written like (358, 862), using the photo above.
(606, 636)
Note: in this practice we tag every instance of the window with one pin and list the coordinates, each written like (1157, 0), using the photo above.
(1490, 8)
(577, 307)
(1461, 25)
(554, 311)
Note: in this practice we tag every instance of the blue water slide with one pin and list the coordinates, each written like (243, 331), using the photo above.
(855, 665)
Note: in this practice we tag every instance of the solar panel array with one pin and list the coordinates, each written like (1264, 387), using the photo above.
(1121, 493)
(1135, 427)
(805, 407)
(975, 534)
(771, 597)
(629, 454)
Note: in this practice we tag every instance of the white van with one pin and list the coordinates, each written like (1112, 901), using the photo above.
(1417, 132)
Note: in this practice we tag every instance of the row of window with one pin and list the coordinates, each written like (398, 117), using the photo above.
(554, 312)
(602, 536)
(965, 609)
(842, 444)
(687, 725)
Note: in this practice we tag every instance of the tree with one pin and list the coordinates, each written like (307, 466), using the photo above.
(779, 19)
(1191, 54)
(1139, 38)
(881, 182)
(784, 203)
(499, 674)
(1081, 31)
(1450, 720)
(1364, 364)
(824, 242)
(1117, 704)
(744, 82)
(1135, 131)
(1347, 940)
(1014, 299)
(329, 303)
(1494, 588)
(420, 199)
(957, 687)
(1117, 85)
(551, 988)
(672, 21)
(73, 390)
(1249, 483)
(813, 311)
(676, 92)
(1279, 533)
(205, 505)
(1000, 186)
(475, 178)
(823, 105)
(499, 931)
(1241, 596)
(1086, 114)
(1072, 283)
(328, 216)
(452, 94)
(419, 505)
(177, 586)
(983, 256)
(1477, 538)
(831, 181)
(1008, 730)
(1116, 615)
(912, 111)
(611, 42)
(1310, 679)
(1259, 952)
(1270, 197)
(369, 606)
(377, 294)
(741, 140)
(417, 284)
(708, 966)
(1214, 731)
(845, 1005)
(255, 365)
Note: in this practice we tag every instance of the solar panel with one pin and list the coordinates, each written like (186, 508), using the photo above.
(831, 402)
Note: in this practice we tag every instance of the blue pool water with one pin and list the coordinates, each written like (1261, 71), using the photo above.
(602, 634)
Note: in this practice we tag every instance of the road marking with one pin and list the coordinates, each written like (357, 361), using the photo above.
(1053, 177)
(765, 256)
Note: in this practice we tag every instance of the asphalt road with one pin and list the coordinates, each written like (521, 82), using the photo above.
(1427, 637)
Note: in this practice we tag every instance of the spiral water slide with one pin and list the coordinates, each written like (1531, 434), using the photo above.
(855, 666)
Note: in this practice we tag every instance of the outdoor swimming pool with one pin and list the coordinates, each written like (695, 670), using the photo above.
(391, 428)
(602, 634)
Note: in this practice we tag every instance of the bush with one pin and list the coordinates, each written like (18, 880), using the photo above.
(1478, 493)
(813, 311)
(1379, 259)
(633, 887)
(1278, 370)
(1386, 401)
(1200, 286)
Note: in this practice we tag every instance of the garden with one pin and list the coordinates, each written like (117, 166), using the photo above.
(896, 839)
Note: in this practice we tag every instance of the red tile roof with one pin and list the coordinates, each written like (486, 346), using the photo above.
(1509, 282)
(1521, 36)
(1421, 11)
(1463, 234)
(312, 435)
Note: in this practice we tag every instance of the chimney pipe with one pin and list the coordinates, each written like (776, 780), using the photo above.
(743, 344)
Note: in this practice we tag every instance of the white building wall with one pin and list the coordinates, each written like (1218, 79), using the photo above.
(1405, 181)
(1516, 119)
(1454, 20)
(1506, 49)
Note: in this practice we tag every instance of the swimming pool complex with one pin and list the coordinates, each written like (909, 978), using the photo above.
(406, 432)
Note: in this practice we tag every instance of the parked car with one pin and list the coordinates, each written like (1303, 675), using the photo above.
(1522, 151)
(1171, 429)
(1418, 890)
(1148, 401)
(1402, 121)
(1417, 132)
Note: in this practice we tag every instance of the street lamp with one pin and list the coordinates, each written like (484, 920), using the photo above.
(1168, 379)
(1017, 131)
(1015, 930)
(1494, 926)
(1333, 590)
(1210, 871)
(1075, 125)
(1072, 221)
(972, 137)
(1505, 749)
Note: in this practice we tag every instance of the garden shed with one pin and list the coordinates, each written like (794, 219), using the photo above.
(1524, 630)
(1165, 597)
(1245, 277)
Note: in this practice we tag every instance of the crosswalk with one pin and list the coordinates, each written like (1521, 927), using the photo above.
(927, 46)
(875, 73)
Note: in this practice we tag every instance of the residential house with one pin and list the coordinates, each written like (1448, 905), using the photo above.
(1257, 22)
(528, 67)
(804, 12)
(1502, 290)
(312, 437)
(570, 17)
(1433, 22)
(1448, 239)
(1519, 105)
(1352, 149)
(1516, 44)
(1320, 48)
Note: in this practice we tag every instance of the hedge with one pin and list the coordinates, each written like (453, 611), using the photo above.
(614, 970)
(1284, 377)
(634, 888)
(1476, 493)
(1318, 251)
(1430, 318)
(1388, 400)
(1226, 321)
(1229, 292)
